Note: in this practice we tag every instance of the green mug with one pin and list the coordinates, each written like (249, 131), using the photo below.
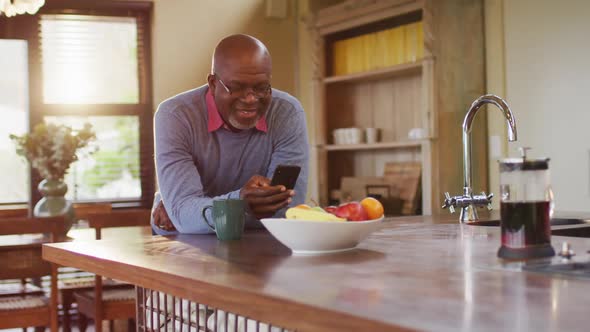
(228, 218)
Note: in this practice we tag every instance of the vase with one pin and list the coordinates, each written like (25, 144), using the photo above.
(54, 203)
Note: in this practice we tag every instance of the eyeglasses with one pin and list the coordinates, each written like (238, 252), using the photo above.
(259, 91)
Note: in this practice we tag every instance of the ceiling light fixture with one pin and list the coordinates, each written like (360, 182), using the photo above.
(11, 8)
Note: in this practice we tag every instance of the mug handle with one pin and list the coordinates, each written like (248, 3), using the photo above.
(205, 217)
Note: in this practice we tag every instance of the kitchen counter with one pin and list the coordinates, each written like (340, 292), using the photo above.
(416, 273)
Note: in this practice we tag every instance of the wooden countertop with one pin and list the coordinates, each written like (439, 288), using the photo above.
(413, 274)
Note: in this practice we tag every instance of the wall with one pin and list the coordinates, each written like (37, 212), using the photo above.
(546, 79)
(495, 84)
(306, 89)
(185, 33)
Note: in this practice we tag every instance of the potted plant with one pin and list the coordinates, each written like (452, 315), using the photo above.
(51, 149)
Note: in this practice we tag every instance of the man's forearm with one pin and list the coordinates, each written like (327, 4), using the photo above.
(187, 214)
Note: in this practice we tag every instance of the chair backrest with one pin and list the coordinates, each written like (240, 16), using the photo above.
(82, 210)
(18, 258)
(118, 218)
(20, 255)
(14, 213)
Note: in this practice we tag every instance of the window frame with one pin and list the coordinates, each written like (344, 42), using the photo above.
(26, 27)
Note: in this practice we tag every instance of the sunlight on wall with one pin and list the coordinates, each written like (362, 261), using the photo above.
(547, 80)
(185, 33)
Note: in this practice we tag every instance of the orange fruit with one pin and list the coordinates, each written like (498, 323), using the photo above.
(304, 206)
(373, 207)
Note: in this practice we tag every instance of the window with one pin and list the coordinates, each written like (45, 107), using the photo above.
(112, 172)
(14, 107)
(89, 59)
(90, 62)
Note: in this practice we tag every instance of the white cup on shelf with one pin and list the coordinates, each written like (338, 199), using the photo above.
(347, 136)
(417, 133)
(356, 135)
(371, 135)
(338, 136)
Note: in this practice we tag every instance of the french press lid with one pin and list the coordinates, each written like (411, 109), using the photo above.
(523, 163)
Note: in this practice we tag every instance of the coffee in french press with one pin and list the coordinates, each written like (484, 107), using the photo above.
(526, 206)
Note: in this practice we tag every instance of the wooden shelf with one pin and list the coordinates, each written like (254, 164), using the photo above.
(375, 146)
(395, 98)
(397, 70)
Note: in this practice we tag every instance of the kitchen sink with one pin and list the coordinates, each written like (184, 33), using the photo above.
(583, 231)
(573, 227)
(554, 222)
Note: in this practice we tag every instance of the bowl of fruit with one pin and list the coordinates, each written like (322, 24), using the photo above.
(310, 230)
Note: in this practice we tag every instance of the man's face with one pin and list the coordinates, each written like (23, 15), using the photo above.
(242, 95)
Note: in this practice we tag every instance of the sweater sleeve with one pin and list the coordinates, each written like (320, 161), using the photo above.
(291, 147)
(179, 181)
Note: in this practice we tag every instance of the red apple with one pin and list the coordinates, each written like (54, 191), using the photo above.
(352, 211)
(330, 209)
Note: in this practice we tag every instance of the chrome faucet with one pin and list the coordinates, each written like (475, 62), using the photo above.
(469, 202)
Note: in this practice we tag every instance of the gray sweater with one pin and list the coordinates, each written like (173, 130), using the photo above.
(195, 166)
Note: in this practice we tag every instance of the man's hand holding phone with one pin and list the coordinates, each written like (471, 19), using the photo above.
(265, 197)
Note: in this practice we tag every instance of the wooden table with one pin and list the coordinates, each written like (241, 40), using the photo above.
(79, 234)
(30, 244)
(412, 274)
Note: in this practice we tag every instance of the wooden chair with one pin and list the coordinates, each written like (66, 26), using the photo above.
(77, 280)
(115, 302)
(83, 210)
(68, 286)
(15, 213)
(20, 257)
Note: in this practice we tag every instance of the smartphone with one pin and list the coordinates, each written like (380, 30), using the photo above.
(285, 175)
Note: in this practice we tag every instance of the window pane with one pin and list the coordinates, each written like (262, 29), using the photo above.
(14, 106)
(112, 172)
(89, 59)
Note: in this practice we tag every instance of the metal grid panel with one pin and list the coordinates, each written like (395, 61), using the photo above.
(157, 311)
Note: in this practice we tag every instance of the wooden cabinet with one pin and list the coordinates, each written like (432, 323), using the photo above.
(431, 91)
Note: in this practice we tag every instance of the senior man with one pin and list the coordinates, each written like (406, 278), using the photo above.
(225, 139)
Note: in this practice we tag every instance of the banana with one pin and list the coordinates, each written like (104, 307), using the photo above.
(317, 208)
(307, 214)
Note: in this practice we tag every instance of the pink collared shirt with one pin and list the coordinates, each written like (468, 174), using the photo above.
(216, 121)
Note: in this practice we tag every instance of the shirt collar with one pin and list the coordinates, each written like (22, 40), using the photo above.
(215, 121)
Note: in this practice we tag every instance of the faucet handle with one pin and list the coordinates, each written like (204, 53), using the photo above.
(523, 151)
(449, 202)
(482, 199)
(490, 196)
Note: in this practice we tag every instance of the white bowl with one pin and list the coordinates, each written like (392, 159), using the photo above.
(305, 237)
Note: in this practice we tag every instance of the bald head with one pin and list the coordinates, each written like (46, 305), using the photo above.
(240, 52)
(240, 80)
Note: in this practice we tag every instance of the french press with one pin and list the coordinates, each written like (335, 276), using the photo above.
(526, 207)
